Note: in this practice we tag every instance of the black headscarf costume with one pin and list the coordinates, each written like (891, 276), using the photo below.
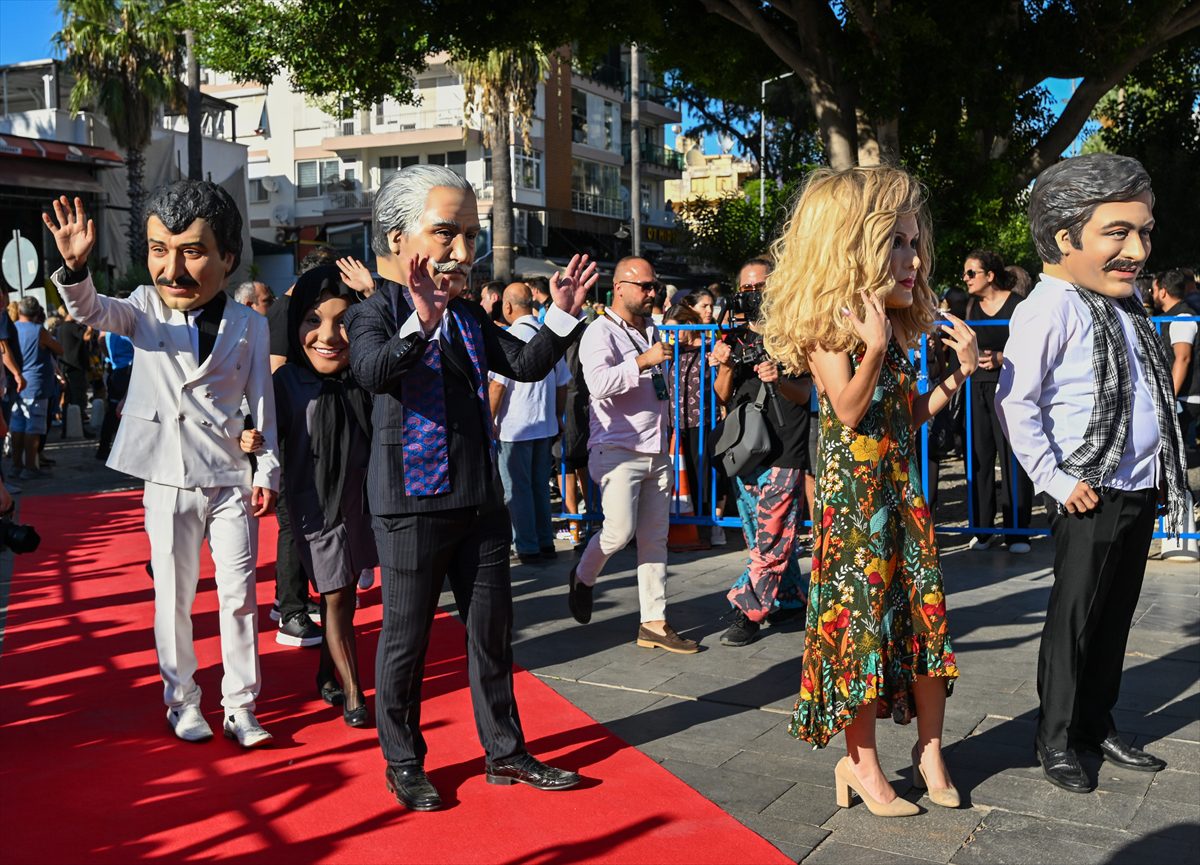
(341, 401)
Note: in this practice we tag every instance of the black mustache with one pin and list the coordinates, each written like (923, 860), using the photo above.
(1121, 264)
(180, 282)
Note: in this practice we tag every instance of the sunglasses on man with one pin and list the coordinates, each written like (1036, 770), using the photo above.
(651, 285)
(752, 286)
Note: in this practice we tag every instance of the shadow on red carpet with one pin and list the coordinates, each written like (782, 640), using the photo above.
(89, 771)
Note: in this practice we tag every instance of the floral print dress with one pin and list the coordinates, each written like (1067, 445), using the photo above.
(876, 606)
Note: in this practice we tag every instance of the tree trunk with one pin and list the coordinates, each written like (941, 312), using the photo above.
(838, 127)
(135, 164)
(502, 202)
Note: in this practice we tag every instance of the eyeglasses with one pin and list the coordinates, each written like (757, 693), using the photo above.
(971, 274)
(651, 285)
(753, 286)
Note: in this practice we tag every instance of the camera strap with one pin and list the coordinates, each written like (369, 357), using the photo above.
(626, 329)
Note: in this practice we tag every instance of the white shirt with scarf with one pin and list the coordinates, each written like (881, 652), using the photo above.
(1047, 387)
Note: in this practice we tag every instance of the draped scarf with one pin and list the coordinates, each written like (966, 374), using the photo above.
(1097, 458)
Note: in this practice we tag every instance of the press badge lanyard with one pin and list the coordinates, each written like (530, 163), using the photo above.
(656, 376)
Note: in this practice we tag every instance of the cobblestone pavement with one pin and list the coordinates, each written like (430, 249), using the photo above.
(718, 719)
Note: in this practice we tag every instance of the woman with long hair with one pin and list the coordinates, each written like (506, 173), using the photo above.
(849, 296)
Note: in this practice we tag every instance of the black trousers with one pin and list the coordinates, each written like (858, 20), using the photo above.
(1099, 563)
(988, 442)
(291, 585)
(417, 552)
(118, 386)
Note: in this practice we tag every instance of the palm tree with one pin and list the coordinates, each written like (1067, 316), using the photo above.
(501, 86)
(125, 55)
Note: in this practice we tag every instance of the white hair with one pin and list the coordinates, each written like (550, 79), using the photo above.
(400, 201)
(245, 293)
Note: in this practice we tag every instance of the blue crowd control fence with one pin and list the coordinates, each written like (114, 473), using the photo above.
(710, 413)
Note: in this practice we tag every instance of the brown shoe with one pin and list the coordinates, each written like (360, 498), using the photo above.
(670, 641)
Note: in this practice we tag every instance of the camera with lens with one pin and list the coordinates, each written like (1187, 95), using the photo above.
(18, 538)
(746, 303)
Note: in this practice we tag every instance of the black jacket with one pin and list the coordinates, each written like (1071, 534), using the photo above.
(379, 359)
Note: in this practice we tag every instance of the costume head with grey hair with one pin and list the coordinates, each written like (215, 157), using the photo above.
(1067, 193)
(400, 201)
(245, 293)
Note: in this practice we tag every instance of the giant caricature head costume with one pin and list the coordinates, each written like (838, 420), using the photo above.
(426, 210)
(1091, 218)
(194, 239)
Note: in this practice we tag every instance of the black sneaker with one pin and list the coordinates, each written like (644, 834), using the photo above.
(298, 630)
(312, 608)
(781, 615)
(742, 632)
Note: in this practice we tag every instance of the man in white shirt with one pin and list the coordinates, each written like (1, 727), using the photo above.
(1183, 347)
(1086, 402)
(526, 414)
(623, 364)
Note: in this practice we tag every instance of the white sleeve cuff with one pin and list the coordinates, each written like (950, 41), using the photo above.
(412, 325)
(562, 323)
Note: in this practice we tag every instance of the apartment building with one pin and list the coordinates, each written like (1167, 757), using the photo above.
(313, 176)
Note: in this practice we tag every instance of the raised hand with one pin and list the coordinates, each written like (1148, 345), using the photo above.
(873, 328)
(355, 274)
(74, 233)
(428, 298)
(569, 290)
(960, 337)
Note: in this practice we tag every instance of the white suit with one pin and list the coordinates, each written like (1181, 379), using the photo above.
(179, 432)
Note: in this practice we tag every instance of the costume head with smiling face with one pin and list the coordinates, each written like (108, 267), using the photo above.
(194, 239)
(1091, 218)
(426, 210)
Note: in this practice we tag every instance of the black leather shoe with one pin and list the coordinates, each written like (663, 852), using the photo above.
(529, 770)
(1062, 769)
(331, 692)
(579, 599)
(412, 789)
(355, 717)
(1120, 753)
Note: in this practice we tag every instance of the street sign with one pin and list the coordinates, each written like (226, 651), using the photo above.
(19, 263)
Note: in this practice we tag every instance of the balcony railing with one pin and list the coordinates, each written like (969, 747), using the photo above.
(601, 73)
(651, 93)
(587, 202)
(653, 154)
(350, 199)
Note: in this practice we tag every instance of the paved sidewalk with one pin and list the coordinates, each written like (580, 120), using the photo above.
(718, 719)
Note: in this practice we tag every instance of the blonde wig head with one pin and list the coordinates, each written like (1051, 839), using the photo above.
(837, 242)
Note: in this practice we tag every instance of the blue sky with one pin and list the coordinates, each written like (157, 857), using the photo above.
(27, 25)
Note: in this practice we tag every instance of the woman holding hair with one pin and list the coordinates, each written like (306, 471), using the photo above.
(849, 297)
(990, 286)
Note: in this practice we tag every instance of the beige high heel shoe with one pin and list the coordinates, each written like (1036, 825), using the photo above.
(843, 775)
(947, 797)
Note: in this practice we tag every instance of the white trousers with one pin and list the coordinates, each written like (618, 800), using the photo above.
(178, 521)
(635, 495)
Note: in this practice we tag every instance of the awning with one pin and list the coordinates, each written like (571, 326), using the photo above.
(60, 177)
(57, 151)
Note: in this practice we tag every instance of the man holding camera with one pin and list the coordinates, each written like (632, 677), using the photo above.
(769, 495)
(622, 360)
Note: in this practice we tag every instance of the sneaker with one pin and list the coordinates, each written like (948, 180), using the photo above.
(298, 630)
(781, 615)
(366, 579)
(189, 724)
(1019, 547)
(982, 544)
(312, 608)
(242, 726)
(742, 632)
(717, 536)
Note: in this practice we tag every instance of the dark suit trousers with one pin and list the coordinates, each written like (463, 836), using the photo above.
(988, 442)
(417, 552)
(1099, 563)
(291, 583)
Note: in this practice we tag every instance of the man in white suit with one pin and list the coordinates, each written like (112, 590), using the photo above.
(197, 356)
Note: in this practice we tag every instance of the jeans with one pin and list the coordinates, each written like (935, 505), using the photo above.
(525, 473)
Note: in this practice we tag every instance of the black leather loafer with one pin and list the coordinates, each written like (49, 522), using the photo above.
(355, 717)
(1062, 769)
(527, 769)
(579, 599)
(412, 788)
(1120, 753)
(331, 693)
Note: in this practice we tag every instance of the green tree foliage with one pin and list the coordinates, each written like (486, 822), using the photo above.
(1153, 117)
(725, 232)
(126, 57)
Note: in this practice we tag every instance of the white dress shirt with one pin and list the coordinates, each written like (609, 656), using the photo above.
(527, 411)
(1046, 392)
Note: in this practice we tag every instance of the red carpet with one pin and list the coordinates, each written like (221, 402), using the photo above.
(89, 771)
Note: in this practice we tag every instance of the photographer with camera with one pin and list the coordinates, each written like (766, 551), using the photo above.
(623, 363)
(769, 494)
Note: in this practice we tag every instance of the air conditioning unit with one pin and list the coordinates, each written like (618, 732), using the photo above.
(281, 215)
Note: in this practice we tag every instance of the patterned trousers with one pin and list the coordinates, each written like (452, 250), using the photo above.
(770, 510)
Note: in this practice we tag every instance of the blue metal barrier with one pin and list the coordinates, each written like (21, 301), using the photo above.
(708, 406)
